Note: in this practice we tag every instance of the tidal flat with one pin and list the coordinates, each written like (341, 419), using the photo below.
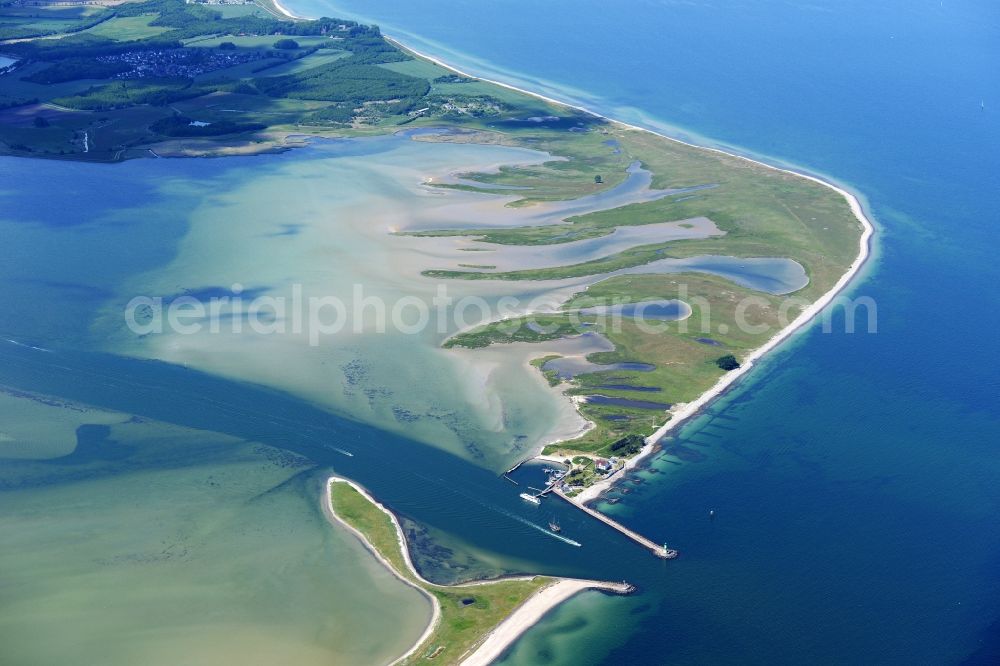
(218, 554)
(319, 223)
(795, 483)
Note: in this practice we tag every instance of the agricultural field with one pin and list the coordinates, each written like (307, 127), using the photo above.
(252, 78)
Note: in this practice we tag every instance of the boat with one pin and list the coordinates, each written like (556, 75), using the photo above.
(528, 497)
(554, 526)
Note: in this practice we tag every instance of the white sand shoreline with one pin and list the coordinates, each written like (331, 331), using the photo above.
(524, 617)
(684, 412)
(283, 10)
(504, 634)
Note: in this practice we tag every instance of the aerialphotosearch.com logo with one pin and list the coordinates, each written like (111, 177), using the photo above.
(317, 317)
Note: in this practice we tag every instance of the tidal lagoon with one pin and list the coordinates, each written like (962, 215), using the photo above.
(851, 475)
(204, 429)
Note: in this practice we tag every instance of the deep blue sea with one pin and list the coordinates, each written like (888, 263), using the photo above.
(855, 478)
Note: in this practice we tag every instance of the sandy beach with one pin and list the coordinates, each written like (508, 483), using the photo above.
(282, 10)
(525, 616)
(504, 634)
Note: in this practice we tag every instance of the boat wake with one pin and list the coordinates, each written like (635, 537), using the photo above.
(540, 528)
(21, 344)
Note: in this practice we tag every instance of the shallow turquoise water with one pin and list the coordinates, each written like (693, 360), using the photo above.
(853, 476)
(185, 504)
(157, 544)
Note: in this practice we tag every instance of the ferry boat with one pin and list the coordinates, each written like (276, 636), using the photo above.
(527, 497)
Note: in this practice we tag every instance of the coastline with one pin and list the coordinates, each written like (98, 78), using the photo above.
(501, 636)
(282, 10)
(337, 520)
(522, 619)
(727, 381)
(688, 410)
(512, 627)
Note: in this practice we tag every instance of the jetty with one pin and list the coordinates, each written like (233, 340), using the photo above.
(514, 468)
(659, 550)
(622, 588)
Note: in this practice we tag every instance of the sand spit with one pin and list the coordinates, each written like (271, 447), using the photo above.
(504, 634)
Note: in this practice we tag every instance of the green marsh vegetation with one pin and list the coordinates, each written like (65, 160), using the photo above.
(763, 212)
(685, 353)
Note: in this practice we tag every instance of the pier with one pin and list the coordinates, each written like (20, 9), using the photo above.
(516, 466)
(657, 549)
(622, 588)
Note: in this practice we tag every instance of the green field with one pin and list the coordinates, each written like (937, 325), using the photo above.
(419, 68)
(168, 57)
(162, 56)
(252, 41)
(321, 59)
(468, 612)
(127, 28)
(25, 22)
